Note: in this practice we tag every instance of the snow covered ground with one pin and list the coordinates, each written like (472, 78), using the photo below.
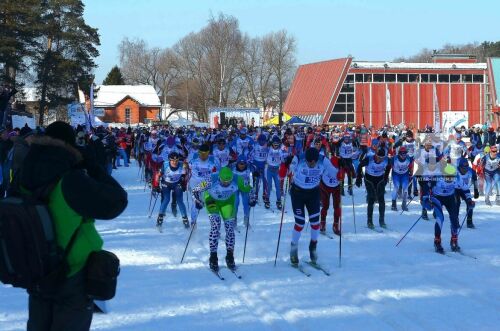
(377, 287)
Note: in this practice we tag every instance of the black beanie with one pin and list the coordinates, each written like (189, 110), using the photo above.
(312, 154)
(204, 148)
(62, 131)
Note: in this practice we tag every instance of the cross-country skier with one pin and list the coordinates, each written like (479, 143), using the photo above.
(402, 167)
(219, 194)
(305, 194)
(173, 175)
(439, 191)
(274, 160)
(242, 169)
(259, 158)
(330, 186)
(465, 176)
(346, 151)
(376, 173)
(491, 169)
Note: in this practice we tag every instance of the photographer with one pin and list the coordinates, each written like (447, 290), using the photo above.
(77, 192)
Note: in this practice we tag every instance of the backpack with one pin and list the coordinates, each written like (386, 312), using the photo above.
(29, 255)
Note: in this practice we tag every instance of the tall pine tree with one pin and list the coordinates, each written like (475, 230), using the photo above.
(114, 77)
(65, 59)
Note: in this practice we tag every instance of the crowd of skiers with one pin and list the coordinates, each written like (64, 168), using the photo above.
(221, 168)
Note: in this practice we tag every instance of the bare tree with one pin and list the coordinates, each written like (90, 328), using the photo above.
(280, 53)
(167, 73)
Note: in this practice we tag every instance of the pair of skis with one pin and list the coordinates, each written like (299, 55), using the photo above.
(233, 271)
(317, 266)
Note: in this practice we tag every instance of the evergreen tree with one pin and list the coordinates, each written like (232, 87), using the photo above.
(19, 28)
(65, 59)
(114, 77)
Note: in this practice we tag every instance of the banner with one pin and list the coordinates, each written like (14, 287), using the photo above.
(454, 119)
(436, 117)
(388, 119)
(77, 114)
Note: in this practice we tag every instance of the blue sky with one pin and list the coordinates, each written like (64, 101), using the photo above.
(367, 30)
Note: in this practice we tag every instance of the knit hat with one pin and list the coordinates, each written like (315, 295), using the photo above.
(312, 154)
(62, 131)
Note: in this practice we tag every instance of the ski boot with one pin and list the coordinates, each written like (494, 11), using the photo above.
(294, 255)
(369, 224)
(278, 205)
(336, 228)
(497, 200)
(267, 204)
(437, 245)
(381, 223)
(230, 260)
(470, 225)
(393, 206)
(404, 205)
(159, 220)
(185, 221)
(454, 243)
(214, 262)
(424, 215)
(487, 201)
(174, 210)
(312, 251)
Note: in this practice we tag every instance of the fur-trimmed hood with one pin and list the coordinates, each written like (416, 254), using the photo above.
(46, 160)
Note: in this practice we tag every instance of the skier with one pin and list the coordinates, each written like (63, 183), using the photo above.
(201, 168)
(173, 176)
(274, 160)
(330, 186)
(259, 157)
(242, 169)
(376, 174)
(491, 169)
(219, 194)
(244, 144)
(346, 151)
(438, 191)
(465, 175)
(402, 167)
(223, 155)
(305, 174)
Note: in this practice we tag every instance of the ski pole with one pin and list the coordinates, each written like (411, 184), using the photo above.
(246, 236)
(400, 240)
(340, 237)
(402, 211)
(281, 222)
(154, 204)
(150, 200)
(461, 225)
(353, 211)
(189, 239)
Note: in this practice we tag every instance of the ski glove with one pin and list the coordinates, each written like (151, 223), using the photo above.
(358, 181)
(255, 174)
(470, 204)
(476, 193)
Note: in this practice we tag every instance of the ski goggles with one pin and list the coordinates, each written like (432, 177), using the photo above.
(493, 150)
(226, 183)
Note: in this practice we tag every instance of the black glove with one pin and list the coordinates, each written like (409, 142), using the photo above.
(252, 202)
(255, 174)
(358, 181)
(288, 160)
(183, 186)
(476, 193)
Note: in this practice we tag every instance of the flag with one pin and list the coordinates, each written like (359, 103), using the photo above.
(437, 116)
(388, 119)
(90, 115)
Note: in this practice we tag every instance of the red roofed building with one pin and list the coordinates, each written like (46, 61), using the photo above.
(378, 93)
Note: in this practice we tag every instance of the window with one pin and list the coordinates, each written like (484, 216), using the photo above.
(467, 78)
(432, 78)
(343, 111)
(390, 78)
(424, 78)
(444, 78)
(413, 78)
(127, 115)
(359, 78)
(402, 78)
(368, 78)
(454, 78)
(378, 78)
(337, 118)
(349, 79)
(477, 78)
(350, 98)
(347, 88)
(339, 108)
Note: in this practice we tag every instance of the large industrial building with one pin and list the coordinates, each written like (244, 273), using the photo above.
(378, 93)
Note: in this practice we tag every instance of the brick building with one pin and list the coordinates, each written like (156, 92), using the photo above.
(378, 93)
(127, 104)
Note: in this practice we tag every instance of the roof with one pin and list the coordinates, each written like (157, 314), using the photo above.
(495, 79)
(110, 95)
(405, 65)
(316, 86)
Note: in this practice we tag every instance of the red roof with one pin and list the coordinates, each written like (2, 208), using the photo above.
(316, 86)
